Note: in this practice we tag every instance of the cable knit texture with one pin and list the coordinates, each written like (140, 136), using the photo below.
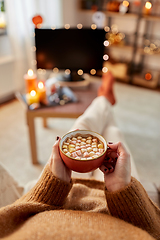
(54, 209)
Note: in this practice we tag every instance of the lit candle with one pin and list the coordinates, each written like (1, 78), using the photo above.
(42, 92)
(32, 97)
(30, 80)
(123, 8)
(147, 8)
(2, 20)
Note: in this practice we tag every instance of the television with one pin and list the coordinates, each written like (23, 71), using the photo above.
(73, 50)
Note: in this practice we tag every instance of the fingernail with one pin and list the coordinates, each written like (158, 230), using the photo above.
(110, 142)
(57, 138)
(110, 160)
(106, 170)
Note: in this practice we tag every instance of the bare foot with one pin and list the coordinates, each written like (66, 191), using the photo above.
(106, 88)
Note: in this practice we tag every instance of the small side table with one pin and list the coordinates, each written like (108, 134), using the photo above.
(70, 110)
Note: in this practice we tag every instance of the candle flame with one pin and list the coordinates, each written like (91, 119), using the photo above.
(40, 85)
(33, 93)
(125, 3)
(148, 5)
(30, 72)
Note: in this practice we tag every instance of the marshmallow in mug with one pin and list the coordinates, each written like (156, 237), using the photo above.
(83, 148)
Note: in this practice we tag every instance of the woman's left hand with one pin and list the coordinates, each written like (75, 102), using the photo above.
(57, 165)
(119, 177)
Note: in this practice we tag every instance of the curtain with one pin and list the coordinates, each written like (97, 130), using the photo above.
(20, 31)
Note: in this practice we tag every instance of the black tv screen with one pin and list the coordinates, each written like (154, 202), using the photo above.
(72, 49)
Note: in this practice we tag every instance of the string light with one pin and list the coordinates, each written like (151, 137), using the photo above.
(79, 26)
(147, 50)
(114, 29)
(62, 102)
(55, 70)
(34, 62)
(105, 57)
(80, 72)
(39, 25)
(104, 69)
(67, 26)
(67, 71)
(53, 27)
(39, 70)
(93, 26)
(33, 48)
(106, 29)
(146, 42)
(125, 3)
(93, 71)
(44, 71)
(106, 43)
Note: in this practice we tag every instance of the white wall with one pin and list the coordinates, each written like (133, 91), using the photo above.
(16, 54)
(6, 67)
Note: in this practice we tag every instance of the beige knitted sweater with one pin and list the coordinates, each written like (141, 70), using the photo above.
(83, 209)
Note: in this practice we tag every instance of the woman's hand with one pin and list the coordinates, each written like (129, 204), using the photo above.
(57, 166)
(121, 176)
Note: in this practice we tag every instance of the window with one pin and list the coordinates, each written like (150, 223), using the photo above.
(2, 18)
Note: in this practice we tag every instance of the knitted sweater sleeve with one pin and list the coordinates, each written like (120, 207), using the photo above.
(48, 194)
(133, 205)
(49, 190)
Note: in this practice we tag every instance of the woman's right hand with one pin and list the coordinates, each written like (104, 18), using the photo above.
(57, 166)
(121, 176)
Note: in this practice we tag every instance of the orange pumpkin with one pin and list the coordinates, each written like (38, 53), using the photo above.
(37, 20)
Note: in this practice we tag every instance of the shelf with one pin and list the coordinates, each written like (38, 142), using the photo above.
(112, 14)
(141, 51)
(125, 47)
(130, 48)
(151, 18)
(126, 15)
(117, 14)
(132, 45)
(138, 80)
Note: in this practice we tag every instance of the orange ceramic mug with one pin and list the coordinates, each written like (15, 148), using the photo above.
(80, 165)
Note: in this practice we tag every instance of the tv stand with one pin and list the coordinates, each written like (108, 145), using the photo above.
(72, 80)
(72, 77)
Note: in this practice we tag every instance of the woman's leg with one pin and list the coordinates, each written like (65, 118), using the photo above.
(96, 116)
(99, 118)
